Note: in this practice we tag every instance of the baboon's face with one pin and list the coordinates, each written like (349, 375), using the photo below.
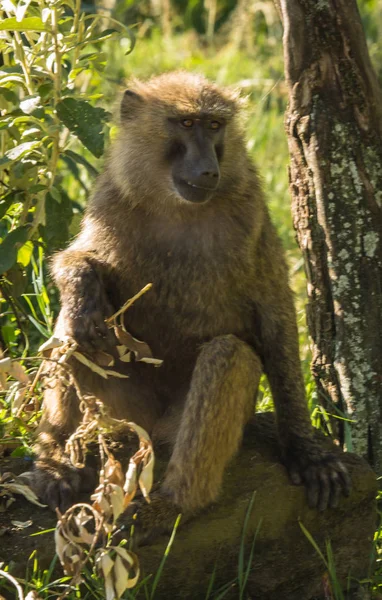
(171, 150)
(195, 148)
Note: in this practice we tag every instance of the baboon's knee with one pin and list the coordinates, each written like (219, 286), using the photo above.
(220, 401)
(228, 359)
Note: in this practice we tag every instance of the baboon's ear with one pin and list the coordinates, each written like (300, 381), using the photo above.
(129, 105)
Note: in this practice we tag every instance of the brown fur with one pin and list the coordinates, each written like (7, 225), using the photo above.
(219, 313)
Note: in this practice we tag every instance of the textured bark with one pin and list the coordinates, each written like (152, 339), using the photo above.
(334, 126)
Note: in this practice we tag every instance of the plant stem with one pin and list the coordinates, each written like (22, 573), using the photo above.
(23, 62)
(57, 95)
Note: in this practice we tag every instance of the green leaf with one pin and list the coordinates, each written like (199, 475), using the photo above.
(27, 24)
(82, 161)
(58, 218)
(37, 188)
(56, 194)
(8, 333)
(24, 253)
(106, 33)
(89, 56)
(20, 452)
(45, 89)
(85, 121)
(13, 78)
(9, 247)
(17, 152)
(44, 332)
(5, 202)
(5, 123)
(9, 95)
(11, 69)
(75, 171)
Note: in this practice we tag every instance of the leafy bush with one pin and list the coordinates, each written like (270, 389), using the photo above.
(49, 127)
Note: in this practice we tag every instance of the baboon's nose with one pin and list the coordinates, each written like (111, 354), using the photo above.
(208, 178)
(210, 174)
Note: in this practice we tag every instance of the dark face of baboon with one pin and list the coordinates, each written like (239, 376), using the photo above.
(171, 146)
(197, 144)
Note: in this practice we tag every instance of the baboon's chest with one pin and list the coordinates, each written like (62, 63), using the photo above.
(194, 297)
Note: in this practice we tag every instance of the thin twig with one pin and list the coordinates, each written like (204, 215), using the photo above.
(30, 391)
(14, 581)
(111, 320)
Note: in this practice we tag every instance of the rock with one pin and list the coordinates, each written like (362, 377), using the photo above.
(285, 565)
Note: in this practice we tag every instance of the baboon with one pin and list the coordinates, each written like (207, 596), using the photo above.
(179, 204)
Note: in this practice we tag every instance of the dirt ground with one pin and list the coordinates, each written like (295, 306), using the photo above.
(16, 542)
(217, 532)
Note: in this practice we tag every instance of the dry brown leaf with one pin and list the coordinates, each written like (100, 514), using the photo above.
(18, 372)
(144, 457)
(108, 500)
(18, 398)
(131, 564)
(140, 349)
(146, 478)
(103, 359)
(130, 486)
(126, 355)
(89, 363)
(32, 595)
(113, 471)
(116, 374)
(51, 344)
(78, 527)
(16, 485)
(157, 362)
(3, 382)
(141, 433)
(130, 346)
(71, 555)
(12, 368)
(122, 350)
(6, 500)
(22, 524)
(5, 365)
(120, 570)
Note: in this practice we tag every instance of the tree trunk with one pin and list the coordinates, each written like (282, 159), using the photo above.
(334, 127)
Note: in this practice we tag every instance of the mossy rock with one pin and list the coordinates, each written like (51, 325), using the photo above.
(285, 565)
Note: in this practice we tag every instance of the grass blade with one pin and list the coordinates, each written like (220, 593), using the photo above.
(241, 568)
(164, 558)
(314, 544)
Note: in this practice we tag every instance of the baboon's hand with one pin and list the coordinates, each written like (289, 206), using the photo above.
(58, 485)
(322, 473)
(149, 520)
(84, 320)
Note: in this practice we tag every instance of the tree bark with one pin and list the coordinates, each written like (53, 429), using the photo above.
(334, 127)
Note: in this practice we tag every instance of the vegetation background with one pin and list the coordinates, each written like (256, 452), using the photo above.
(62, 66)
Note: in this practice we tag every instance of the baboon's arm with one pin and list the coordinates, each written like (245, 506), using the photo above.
(323, 473)
(307, 462)
(83, 279)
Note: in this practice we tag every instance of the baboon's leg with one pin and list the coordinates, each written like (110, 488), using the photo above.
(55, 480)
(220, 401)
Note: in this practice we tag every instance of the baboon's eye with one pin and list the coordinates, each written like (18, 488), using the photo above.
(187, 123)
(215, 125)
